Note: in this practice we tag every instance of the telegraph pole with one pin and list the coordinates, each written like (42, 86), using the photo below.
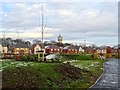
(42, 26)
(2, 42)
(42, 36)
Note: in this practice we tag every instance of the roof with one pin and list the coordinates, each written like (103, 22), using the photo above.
(78, 47)
(11, 46)
(21, 45)
(1, 39)
(5, 44)
(53, 47)
(70, 47)
(34, 45)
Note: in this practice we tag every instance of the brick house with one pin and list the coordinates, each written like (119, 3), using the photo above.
(71, 49)
(53, 49)
(108, 52)
(90, 50)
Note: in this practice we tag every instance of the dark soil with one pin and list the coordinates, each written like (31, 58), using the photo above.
(68, 71)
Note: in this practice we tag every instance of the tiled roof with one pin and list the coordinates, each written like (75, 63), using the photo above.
(53, 47)
(34, 45)
(21, 45)
(70, 47)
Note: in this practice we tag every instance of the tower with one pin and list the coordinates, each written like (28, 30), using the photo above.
(60, 39)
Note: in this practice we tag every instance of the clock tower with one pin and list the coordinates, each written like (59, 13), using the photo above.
(60, 39)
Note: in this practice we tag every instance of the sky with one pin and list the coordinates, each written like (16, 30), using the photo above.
(95, 22)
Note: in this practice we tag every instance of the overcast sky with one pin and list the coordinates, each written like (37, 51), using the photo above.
(95, 22)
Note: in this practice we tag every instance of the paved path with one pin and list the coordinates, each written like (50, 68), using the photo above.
(110, 78)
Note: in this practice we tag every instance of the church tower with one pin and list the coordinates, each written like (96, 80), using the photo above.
(60, 39)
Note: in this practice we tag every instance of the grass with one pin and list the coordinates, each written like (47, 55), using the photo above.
(79, 74)
(76, 57)
(94, 69)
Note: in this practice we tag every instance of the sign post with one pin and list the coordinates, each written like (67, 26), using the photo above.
(40, 53)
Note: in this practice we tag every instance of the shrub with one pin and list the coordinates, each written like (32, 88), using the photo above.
(23, 58)
(16, 57)
(33, 57)
(77, 57)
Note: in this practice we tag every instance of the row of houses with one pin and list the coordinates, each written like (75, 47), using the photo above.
(23, 48)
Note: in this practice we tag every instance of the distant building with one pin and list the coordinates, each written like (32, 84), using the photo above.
(1, 48)
(108, 52)
(21, 48)
(10, 48)
(101, 50)
(90, 50)
(5, 46)
(53, 49)
(80, 49)
(36, 48)
(71, 49)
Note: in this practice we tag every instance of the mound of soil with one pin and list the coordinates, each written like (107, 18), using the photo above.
(68, 71)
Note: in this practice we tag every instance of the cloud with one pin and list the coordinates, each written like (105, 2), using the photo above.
(75, 21)
(59, 1)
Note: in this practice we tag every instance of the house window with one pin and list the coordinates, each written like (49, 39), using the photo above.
(58, 50)
(69, 50)
(51, 49)
(55, 49)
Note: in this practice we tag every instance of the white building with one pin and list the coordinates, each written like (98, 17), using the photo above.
(35, 48)
(1, 48)
(81, 49)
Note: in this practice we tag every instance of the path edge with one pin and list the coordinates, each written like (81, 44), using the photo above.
(99, 76)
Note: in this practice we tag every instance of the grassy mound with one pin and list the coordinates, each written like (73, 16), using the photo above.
(39, 75)
(81, 74)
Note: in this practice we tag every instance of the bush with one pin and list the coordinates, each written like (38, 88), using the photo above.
(33, 57)
(23, 58)
(76, 57)
(16, 57)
